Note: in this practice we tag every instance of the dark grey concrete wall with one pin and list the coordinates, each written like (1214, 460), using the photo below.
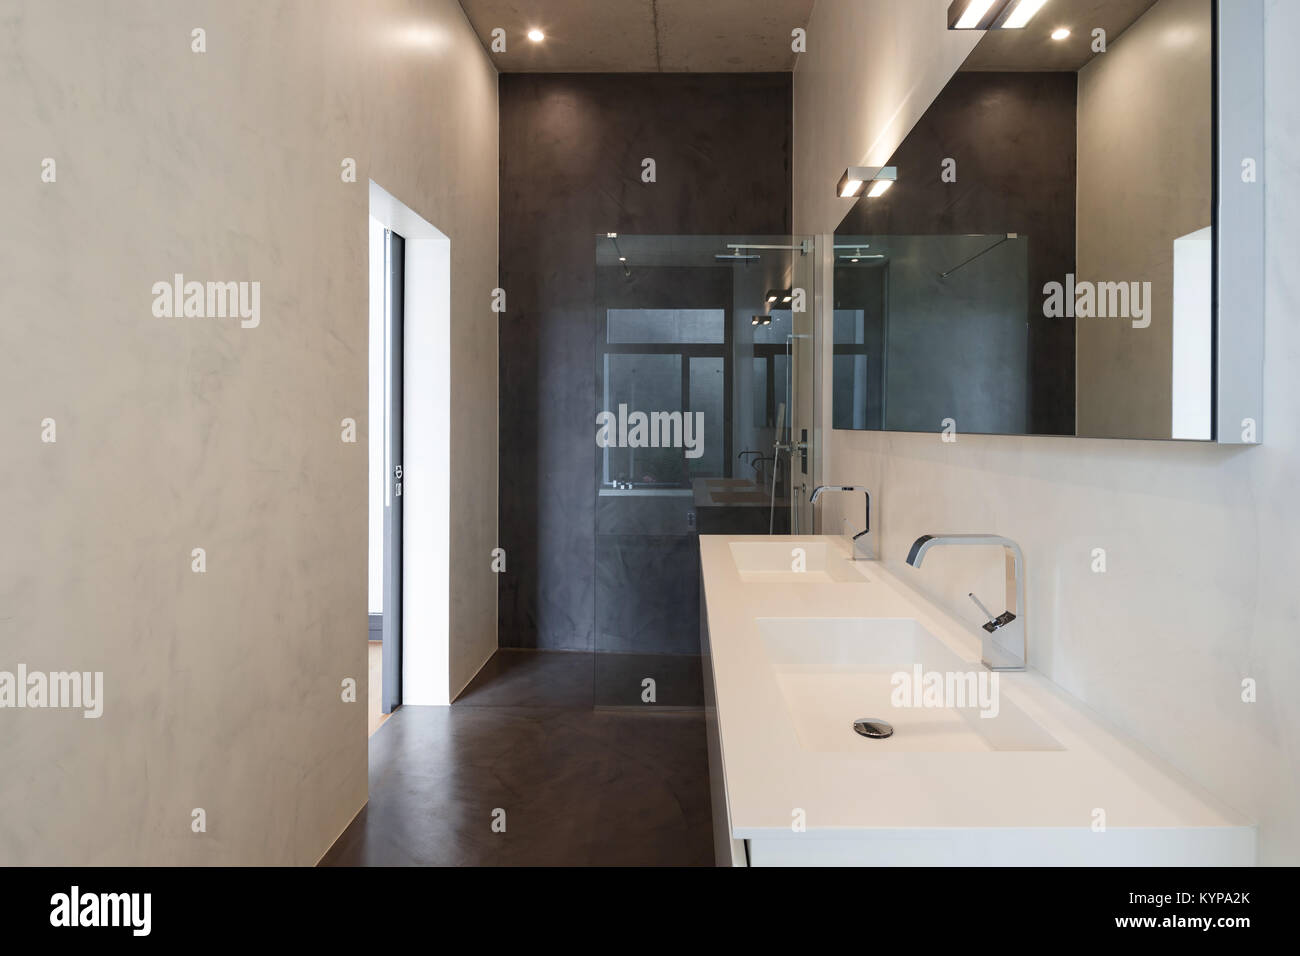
(571, 154)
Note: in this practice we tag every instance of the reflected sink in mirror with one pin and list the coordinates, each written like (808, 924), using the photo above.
(837, 670)
(774, 562)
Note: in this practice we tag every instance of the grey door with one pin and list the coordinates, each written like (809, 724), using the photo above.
(394, 277)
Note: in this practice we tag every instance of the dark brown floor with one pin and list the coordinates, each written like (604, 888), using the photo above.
(579, 786)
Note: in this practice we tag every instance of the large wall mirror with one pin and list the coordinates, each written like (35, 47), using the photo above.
(1073, 241)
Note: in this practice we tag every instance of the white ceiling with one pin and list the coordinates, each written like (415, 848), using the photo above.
(642, 36)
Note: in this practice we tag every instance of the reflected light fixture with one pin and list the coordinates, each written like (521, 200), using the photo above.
(855, 177)
(773, 295)
(1060, 34)
(992, 14)
(760, 320)
(1018, 13)
(973, 14)
(536, 35)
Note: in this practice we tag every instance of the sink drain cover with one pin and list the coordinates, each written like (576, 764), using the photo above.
(873, 727)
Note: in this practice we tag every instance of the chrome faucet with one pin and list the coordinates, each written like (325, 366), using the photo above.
(863, 543)
(1002, 644)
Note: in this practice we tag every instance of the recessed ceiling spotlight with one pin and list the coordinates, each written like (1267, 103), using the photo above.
(1060, 34)
(536, 35)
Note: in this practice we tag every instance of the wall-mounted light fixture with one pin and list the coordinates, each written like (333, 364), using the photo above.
(855, 177)
(1060, 33)
(992, 14)
(973, 14)
(760, 320)
(773, 295)
(536, 35)
(1017, 14)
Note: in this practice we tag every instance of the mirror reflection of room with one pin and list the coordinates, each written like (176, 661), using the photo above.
(1042, 265)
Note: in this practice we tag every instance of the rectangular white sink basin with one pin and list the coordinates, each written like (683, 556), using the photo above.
(795, 562)
(1042, 781)
(832, 672)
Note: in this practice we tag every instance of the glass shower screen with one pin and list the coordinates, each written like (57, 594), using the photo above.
(705, 377)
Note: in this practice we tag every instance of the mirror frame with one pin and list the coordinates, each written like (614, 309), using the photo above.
(1238, 307)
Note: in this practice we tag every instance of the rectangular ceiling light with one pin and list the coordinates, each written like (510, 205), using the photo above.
(1017, 14)
(974, 14)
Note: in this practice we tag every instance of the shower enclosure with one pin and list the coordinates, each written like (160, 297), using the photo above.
(705, 381)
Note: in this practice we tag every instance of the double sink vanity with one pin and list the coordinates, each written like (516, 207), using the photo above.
(851, 721)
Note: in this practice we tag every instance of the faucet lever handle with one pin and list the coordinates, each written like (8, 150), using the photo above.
(999, 622)
(983, 610)
(994, 621)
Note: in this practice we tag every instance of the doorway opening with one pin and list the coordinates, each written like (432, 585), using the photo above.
(409, 478)
(387, 299)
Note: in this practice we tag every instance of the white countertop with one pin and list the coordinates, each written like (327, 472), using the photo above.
(769, 773)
